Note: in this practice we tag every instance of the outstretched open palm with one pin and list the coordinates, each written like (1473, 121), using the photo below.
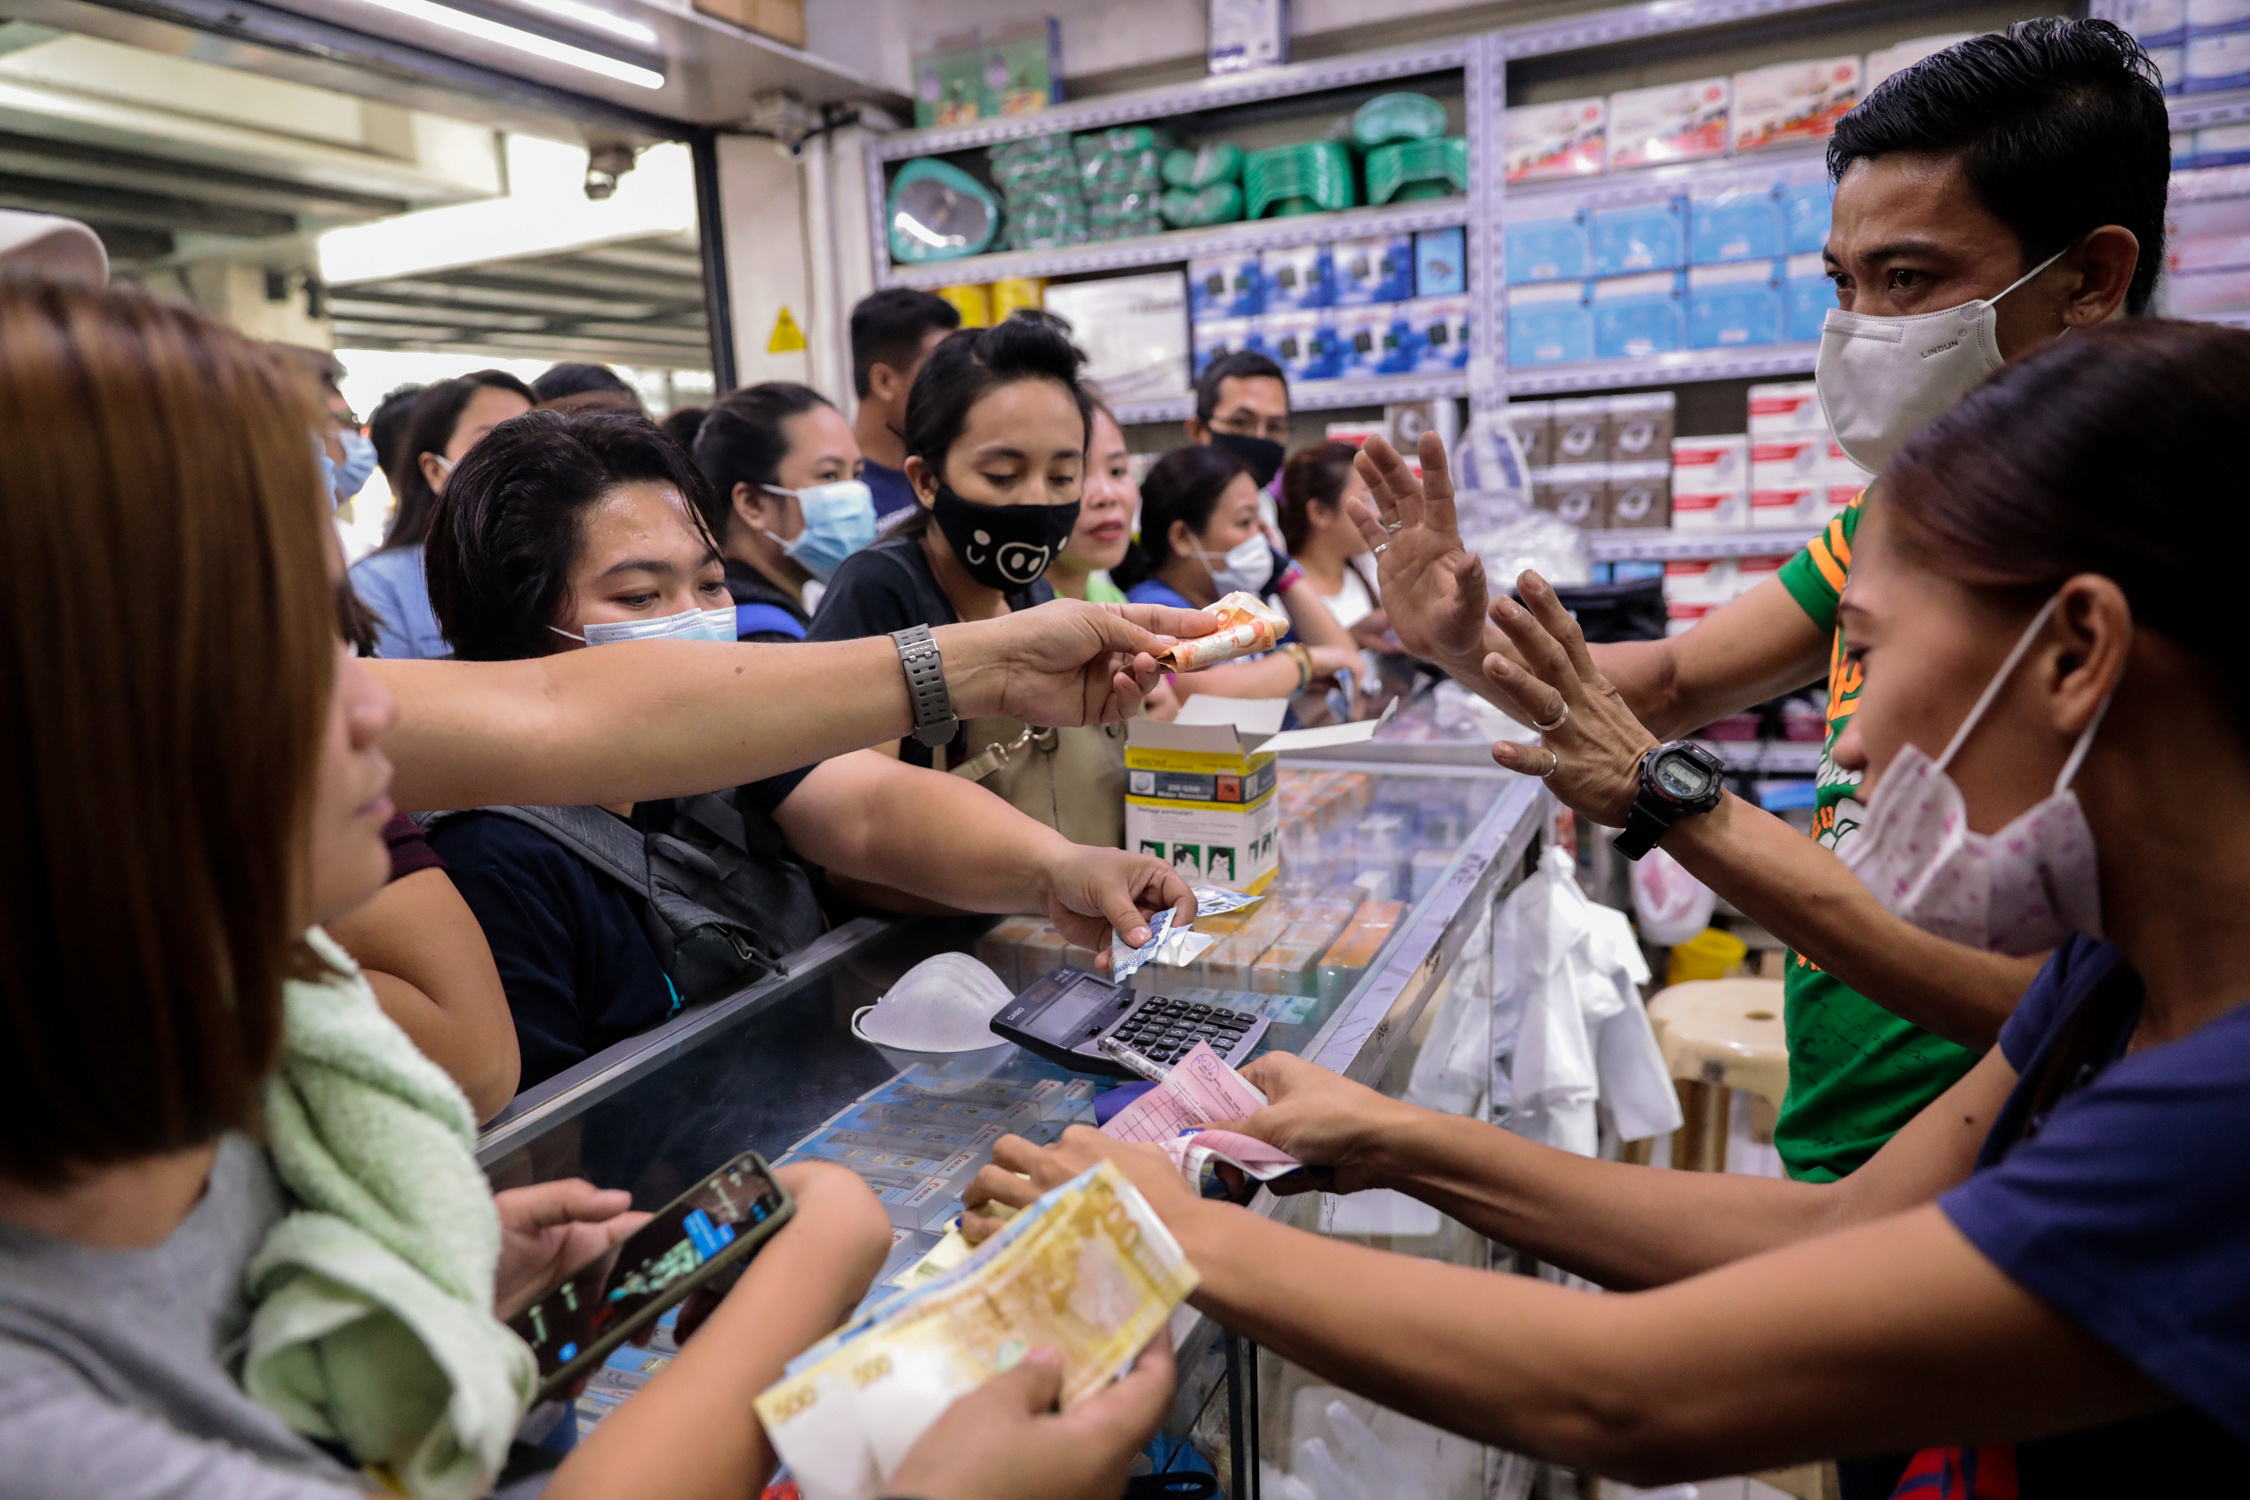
(1432, 586)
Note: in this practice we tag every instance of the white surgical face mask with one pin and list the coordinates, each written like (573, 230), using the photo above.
(688, 625)
(943, 1004)
(1881, 378)
(1247, 570)
(2022, 889)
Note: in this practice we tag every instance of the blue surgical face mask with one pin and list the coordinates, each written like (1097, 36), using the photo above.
(687, 625)
(359, 463)
(839, 520)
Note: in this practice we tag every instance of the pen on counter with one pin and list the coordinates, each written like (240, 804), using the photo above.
(1118, 1051)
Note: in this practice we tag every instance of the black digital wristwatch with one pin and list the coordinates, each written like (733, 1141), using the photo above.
(1678, 780)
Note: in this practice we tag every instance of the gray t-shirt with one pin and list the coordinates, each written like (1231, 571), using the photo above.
(117, 1366)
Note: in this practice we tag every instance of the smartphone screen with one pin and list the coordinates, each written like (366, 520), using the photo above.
(654, 1268)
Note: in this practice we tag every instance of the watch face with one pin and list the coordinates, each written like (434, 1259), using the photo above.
(1682, 777)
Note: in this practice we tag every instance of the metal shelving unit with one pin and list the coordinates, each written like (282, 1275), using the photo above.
(1662, 546)
(1319, 395)
(1181, 245)
(1678, 368)
(2194, 111)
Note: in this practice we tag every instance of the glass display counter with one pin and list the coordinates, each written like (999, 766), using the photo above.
(1390, 869)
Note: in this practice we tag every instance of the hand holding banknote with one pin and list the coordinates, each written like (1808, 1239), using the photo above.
(1005, 1441)
(1324, 1119)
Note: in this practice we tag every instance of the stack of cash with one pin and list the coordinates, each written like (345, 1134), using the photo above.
(1088, 1271)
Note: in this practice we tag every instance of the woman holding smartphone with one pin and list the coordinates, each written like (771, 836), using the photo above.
(143, 989)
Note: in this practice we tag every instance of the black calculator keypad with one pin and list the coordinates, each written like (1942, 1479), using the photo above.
(1165, 1031)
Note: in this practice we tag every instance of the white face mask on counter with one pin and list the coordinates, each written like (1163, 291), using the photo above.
(2021, 889)
(1881, 378)
(688, 625)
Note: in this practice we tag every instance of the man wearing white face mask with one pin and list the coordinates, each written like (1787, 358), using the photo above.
(1989, 200)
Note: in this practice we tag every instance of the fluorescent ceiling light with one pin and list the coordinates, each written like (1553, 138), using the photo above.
(524, 41)
(600, 20)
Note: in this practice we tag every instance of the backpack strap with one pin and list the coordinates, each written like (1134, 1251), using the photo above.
(597, 837)
(766, 619)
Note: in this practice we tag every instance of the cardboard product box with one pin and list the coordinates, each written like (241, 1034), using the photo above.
(1305, 343)
(1017, 293)
(1808, 200)
(1246, 34)
(783, 20)
(1637, 316)
(1640, 496)
(1577, 493)
(1668, 123)
(998, 949)
(1568, 138)
(1839, 468)
(1793, 103)
(1550, 244)
(1533, 424)
(1226, 286)
(1362, 336)
(972, 300)
(1711, 465)
(1134, 330)
(1640, 428)
(1022, 65)
(1213, 337)
(1709, 510)
(1551, 324)
(1634, 237)
(2153, 23)
(1199, 791)
(1581, 430)
(1731, 221)
(1749, 572)
(1301, 276)
(1356, 948)
(1374, 268)
(1784, 408)
(1441, 333)
(1791, 461)
(949, 81)
(1441, 262)
(1797, 507)
(1699, 580)
(1681, 618)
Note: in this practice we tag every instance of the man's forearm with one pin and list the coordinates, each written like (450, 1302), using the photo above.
(930, 834)
(1802, 894)
(1621, 1226)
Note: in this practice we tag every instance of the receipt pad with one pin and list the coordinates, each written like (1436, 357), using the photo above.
(1065, 1013)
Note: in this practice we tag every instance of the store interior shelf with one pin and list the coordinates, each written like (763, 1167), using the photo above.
(1318, 395)
(1767, 757)
(1658, 546)
(1185, 244)
(1636, 184)
(1680, 368)
(2194, 111)
(1224, 91)
(1635, 23)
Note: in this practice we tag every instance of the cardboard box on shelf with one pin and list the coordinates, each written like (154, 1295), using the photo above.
(948, 80)
(1577, 493)
(1749, 572)
(783, 20)
(1640, 496)
(1134, 330)
(1711, 465)
(1672, 122)
(1301, 276)
(1809, 292)
(1799, 507)
(1373, 268)
(1213, 337)
(1533, 424)
(1649, 236)
(1247, 34)
(1441, 262)
(1699, 580)
(1792, 461)
(1709, 510)
(1551, 324)
(1550, 244)
(1199, 791)
(1637, 316)
(1785, 408)
(1022, 65)
(1793, 103)
(1567, 138)
(1226, 286)
(1581, 430)
(1640, 427)
(1735, 307)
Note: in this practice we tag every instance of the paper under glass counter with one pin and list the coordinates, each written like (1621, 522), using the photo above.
(1391, 866)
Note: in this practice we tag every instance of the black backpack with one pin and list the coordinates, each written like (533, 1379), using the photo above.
(721, 901)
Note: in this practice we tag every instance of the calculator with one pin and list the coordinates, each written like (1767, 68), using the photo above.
(1062, 1015)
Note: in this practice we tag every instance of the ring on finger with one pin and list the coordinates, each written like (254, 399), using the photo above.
(1379, 549)
(1553, 724)
(1394, 527)
(1554, 764)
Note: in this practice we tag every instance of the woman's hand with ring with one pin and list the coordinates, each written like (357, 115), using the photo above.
(1590, 746)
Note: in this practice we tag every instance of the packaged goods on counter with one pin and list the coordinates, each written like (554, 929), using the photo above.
(1568, 138)
(1793, 103)
(1210, 902)
(1671, 122)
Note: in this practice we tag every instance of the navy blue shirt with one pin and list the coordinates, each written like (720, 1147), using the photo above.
(2126, 1208)
(578, 967)
(888, 486)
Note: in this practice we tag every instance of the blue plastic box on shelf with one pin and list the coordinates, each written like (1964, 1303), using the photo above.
(1226, 286)
(1299, 277)
(1736, 221)
(1640, 237)
(1809, 292)
(1636, 316)
(1551, 324)
(1548, 249)
(1736, 306)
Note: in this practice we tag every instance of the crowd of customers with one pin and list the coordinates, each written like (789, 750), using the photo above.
(648, 693)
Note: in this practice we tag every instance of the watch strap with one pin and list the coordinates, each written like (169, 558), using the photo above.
(918, 657)
(1643, 827)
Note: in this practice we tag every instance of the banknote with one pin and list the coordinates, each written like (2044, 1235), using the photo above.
(1088, 1270)
(1194, 1150)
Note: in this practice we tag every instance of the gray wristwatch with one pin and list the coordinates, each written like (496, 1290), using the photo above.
(934, 721)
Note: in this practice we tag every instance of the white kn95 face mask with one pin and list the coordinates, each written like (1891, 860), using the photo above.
(943, 1004)
(1881, 378)
(2021, 889)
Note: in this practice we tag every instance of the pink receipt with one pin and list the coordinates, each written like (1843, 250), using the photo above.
(1200, 1090)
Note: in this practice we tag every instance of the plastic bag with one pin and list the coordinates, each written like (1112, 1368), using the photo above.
(1672, 905)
